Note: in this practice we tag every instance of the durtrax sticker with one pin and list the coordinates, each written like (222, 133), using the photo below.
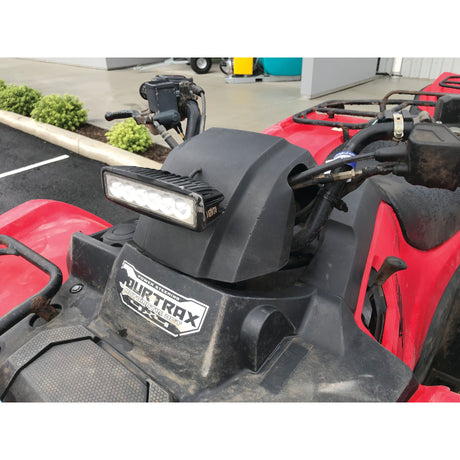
(175, 314)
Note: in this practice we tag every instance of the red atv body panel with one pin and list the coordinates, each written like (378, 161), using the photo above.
(435, 394)
(318, 140)
(437, 87)
(412, 295)
(46, 227)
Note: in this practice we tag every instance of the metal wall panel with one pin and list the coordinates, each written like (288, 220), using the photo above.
(421, 67)
(429, 67)
(385, 65)
(326, 75)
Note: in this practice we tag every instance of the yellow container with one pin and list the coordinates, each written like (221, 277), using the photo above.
(242, 66)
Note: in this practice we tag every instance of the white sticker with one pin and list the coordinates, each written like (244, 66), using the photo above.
(175, 314)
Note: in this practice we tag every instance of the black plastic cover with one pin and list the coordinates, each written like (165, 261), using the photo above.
(428, 216)
(99, 377)
(448, 109)
(434, 157)
(253, 235)
(160, 94)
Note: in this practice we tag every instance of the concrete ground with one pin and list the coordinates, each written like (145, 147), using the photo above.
(247, 106)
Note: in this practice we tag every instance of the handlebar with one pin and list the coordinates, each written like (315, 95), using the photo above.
(171, 99)
(109, 116)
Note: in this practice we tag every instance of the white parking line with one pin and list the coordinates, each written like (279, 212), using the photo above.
(35, 165)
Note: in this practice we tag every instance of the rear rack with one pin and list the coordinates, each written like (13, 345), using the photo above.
(451, 82)
(337, 107)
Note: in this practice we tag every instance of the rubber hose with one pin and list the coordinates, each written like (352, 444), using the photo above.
(319, 216)
(331, 193)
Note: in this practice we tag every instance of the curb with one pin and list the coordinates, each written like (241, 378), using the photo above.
(76, 143)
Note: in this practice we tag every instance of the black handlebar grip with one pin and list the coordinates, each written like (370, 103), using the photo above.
(109, 116)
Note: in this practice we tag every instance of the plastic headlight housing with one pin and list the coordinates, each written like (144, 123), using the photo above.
(169, 197)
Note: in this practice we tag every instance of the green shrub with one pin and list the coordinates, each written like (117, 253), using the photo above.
(62, 111)
(128, 135)
(19, 99)
(2, 84)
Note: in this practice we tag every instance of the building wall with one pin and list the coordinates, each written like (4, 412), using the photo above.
(325, 75)
(385, 65)
(429, 67)
(421, 67)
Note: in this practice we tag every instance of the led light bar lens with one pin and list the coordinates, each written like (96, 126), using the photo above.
(147, 197)
(170, 197)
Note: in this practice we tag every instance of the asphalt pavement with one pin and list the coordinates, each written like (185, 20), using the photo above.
(31, 168)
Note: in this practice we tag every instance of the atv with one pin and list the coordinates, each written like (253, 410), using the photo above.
(316, 261)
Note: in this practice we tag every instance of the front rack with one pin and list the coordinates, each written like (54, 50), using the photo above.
(337, 107)
(40, 302)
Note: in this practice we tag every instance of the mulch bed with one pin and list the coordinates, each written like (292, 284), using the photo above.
(154, 152)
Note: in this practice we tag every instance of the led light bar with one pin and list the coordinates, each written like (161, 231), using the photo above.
(169, 197)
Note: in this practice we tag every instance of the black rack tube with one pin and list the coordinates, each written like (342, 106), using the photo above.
(377, 132)
(24, 309)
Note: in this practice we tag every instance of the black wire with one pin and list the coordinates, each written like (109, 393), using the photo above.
(361, 175)
(380, 131)
(367, 172)
(334, 164)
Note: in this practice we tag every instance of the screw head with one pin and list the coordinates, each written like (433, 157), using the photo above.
(76, 288)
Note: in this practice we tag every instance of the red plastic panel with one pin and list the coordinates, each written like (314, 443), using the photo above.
(46, 227)
(412, 294)
(434, 87)
(434, 394)
(318, 140)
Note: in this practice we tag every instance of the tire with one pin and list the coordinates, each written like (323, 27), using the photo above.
(201, 65)
(225, 66)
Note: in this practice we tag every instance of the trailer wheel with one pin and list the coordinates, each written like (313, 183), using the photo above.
(201, 65)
